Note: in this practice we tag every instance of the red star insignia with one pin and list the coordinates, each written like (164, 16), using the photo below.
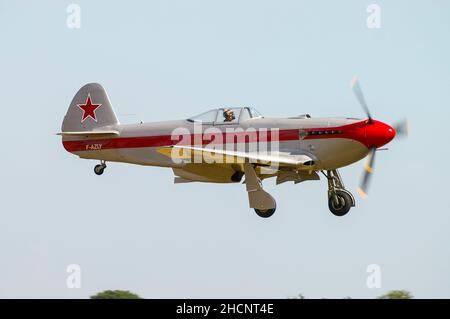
(88, 109)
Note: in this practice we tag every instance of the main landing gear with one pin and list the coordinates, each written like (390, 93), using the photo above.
(263, 203)
(100, 168)
(340, 200)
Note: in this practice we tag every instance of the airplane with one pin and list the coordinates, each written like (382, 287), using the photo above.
(227, 145)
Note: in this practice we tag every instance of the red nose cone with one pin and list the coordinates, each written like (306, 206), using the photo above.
(379, 134)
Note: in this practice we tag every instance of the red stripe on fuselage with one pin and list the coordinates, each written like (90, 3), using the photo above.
(353, 131)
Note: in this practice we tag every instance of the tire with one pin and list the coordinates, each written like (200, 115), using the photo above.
(99, 169)
(265, 213)
(345, 203)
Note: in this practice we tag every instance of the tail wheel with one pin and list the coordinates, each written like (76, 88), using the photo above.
(265, 213)
(99, 169)
(340, 203)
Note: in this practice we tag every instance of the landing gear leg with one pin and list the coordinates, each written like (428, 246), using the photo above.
(340, 200)
(100, 168)
(263, 203)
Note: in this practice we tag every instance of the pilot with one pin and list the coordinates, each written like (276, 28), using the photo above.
(228, 115)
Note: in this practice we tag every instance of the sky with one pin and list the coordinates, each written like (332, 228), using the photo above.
(133, 229)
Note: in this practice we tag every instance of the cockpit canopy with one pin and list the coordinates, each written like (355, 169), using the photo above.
(226, 115)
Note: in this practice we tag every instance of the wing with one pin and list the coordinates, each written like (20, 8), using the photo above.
(285, 159)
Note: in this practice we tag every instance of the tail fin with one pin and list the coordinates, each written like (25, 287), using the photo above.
(90, 109)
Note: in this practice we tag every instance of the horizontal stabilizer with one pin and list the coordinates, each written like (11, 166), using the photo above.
(90, 133)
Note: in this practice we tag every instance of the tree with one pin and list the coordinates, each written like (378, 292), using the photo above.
(115, 294)
(397, 294)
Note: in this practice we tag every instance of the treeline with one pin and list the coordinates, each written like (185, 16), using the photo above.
(125, 294)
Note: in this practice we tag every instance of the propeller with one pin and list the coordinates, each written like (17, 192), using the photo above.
(367, 174)
(401, 129)
(360, 96)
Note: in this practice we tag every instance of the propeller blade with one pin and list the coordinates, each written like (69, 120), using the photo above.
(368, 171)
(402, 128)
(360, 96)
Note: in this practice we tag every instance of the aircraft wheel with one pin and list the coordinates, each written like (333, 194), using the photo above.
(265, 213)
(340, 204)
(99, 169)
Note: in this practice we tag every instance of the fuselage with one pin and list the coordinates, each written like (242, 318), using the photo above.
(332, 142)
